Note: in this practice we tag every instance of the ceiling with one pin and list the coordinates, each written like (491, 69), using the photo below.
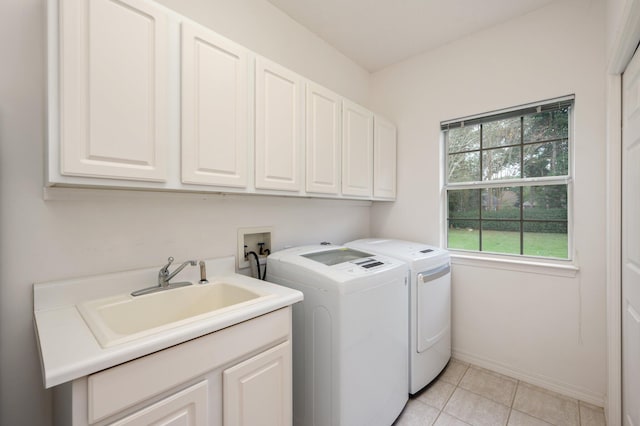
(378, 33)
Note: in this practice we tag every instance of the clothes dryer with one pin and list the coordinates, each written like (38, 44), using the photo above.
(350, 343)
(429, 304)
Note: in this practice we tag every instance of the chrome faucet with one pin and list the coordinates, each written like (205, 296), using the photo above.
(164, 277)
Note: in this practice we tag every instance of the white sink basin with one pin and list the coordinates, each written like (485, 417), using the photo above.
(118, 319)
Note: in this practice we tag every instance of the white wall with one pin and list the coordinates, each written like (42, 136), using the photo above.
(259, 26)
(547, 329)
(623, 32)
(81, 233)
(615, 9)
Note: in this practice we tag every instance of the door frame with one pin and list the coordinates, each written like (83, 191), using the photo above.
(625, 41)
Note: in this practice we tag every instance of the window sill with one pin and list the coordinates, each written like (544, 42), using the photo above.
(532, 266)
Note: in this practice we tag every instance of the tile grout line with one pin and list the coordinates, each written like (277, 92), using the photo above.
(485, 397)
(524, 412)
(437, 417)
(455, 387)
(579, 415)
(513, 397)
(497, 375)
(451, 415)
(538, 418)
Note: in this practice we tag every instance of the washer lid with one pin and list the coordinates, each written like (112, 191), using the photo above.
(338, 263)
(336, 256)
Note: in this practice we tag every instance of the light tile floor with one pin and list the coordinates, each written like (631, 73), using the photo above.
(466, 395)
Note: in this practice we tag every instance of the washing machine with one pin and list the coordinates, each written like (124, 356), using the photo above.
(350, 342)
(429, 304)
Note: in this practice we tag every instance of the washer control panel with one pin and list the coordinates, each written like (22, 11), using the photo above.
(368, 263)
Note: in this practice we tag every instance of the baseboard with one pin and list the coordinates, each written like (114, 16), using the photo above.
(554, 385)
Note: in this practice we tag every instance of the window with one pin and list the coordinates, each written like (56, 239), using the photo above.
(507, 181)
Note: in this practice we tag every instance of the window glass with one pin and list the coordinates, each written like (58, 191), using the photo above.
(501, 203)
(546, 159)
(501, 133)
(464, 235)
(501, 163)
(545, 126)
(464, 204)
(546, 239)
(499, 236)
(464, 167)
(547, 202)
(463, 139)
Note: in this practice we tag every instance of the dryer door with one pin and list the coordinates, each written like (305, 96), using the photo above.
(434, 306)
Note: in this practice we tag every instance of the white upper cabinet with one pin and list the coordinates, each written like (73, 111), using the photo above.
(324, 140)
(279, 127)
(142, 97)
(357, 150)
(113, 89)
(384, 159)
(214, 109)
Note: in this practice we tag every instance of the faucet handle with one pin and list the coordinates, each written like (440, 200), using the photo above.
(165, 268)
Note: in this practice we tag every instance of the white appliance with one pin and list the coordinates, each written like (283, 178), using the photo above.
(350, 346)
(429, 304)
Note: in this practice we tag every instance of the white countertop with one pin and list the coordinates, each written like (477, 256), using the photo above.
(68, 348)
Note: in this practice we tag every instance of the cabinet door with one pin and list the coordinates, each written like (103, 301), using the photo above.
(214, 109)
(279, 131)
(357, 150)
(113, 89)
(258, 390)
(185, 408)
(384, 159)
(324, 140)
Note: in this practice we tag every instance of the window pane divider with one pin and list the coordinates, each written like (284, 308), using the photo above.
(513, 145)
(533, 181)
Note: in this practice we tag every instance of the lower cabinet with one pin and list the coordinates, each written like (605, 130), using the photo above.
(187, 407)
(257, 391)
(240, 375)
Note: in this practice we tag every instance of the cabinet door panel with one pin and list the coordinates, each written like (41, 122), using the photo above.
(113, 89)
(384, 159)
(278, 127)
(258, 391)
(323, 147)
(214, 109)
(185, 408)
(357, 150)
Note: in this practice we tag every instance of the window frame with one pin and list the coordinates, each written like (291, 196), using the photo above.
(521, 182)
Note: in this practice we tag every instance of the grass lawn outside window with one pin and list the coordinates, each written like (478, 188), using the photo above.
(536, 243)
